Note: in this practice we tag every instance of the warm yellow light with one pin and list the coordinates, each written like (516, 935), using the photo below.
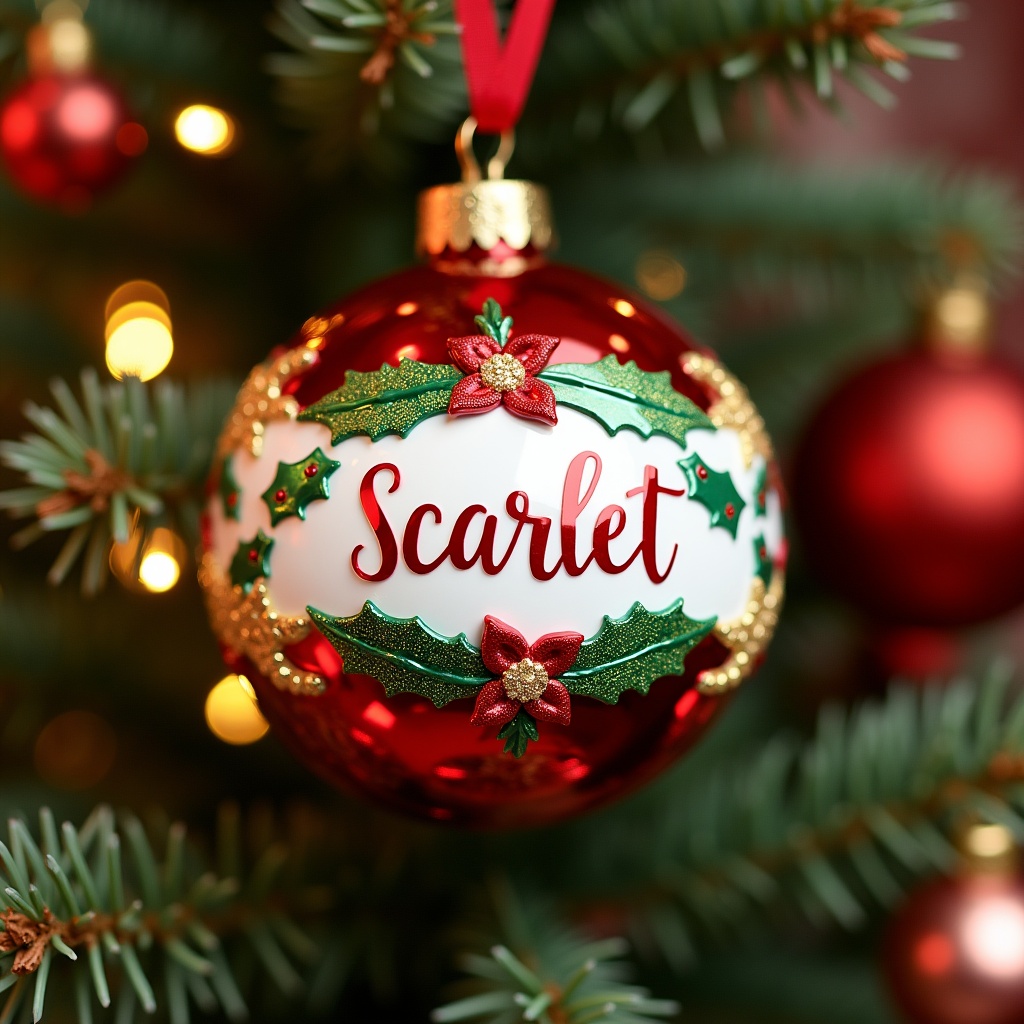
(624, 307)
(618, 343)
(159, 571)
(160, 567)
(139, 339)
(232, 714)
(141, 348)
(204, 129)
(407, 308)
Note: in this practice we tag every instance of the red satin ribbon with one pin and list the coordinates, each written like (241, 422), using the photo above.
(498, 78)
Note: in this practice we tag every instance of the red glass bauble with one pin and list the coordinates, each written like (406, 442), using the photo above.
(909, 489)
(65, 139)
(427, 760)
(954, 952)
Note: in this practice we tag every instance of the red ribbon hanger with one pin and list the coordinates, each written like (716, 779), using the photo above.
(498, 77)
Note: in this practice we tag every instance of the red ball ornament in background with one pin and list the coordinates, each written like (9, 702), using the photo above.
(954, 951)
(67, 138)
(909, 483)
(453, 533)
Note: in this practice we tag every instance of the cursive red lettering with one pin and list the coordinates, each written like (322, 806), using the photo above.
(541, 529)
(411, 540)
(573, 505)
(379, 524)
(650, 490)
(610, 523)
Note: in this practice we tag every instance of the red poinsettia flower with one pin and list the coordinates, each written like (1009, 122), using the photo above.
(527, 674)
(503, 376)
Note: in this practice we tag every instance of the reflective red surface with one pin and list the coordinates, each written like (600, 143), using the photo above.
(909, 490)
(66, 138)
(432, 762)
(954, 953)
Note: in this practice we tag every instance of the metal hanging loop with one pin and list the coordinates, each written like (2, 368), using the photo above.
(467, 158)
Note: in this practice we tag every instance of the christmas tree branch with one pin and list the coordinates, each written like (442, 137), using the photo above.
(106, 900)
(124, 460)
(834, 826)
(358, 65)
(753, 225)
(670, 70)
(542, 970)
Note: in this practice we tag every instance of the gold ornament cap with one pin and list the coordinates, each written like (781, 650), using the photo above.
(490, 213)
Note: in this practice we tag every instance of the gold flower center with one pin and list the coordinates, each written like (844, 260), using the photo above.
(526, 680)
(502, 372)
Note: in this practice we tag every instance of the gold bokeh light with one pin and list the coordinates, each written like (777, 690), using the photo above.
(139, 339)
(203, 129)
(232, 714)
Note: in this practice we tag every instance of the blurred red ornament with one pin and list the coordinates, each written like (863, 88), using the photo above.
(66, 138)
(954, 952)
(909, 489)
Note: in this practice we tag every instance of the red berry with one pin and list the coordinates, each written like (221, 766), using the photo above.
(702, 473)
(280, 496)
(232, 500)
(730, 510)
(253, 555)
(310, 471)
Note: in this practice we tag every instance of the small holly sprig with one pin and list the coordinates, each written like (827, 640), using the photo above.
(493, 323)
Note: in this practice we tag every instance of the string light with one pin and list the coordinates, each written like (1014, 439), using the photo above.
(232, 713)
(205, 129)
(160, 567)
(139, 339)
(157, 569)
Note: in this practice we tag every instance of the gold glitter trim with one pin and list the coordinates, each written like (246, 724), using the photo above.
(261, 398)
(745, 637)
(249, 626)
(733, 407)
(526, 680)
(502, 372)
(454, 217)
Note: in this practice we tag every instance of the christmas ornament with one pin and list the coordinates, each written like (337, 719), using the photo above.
(954, 951)
(491, 540)
(66, 135)
(909, 484)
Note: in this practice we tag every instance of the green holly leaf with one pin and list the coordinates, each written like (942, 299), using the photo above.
(251, 561)
(493, 324)
(624, 397)
(406, 655)
(518, 733)
(761, 493)
(763, 566)
(229, 491)
(715, 491)
(391, 400)
(296, 484)
(631, 652)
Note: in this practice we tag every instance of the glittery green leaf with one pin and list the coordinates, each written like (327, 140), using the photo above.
(624, 397)
(631, 652)
(391, 400)
(406, 655)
